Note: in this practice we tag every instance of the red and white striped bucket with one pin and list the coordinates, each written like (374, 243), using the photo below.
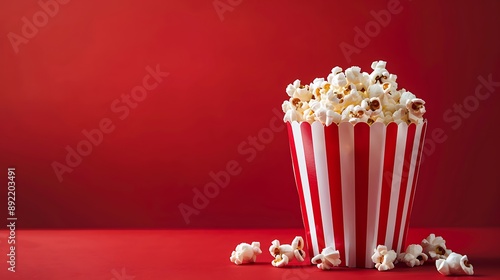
(356, 185)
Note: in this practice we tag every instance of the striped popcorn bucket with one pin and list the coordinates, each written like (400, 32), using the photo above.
(356, 185)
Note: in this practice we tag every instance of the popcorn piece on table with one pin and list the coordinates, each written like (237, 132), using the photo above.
(327, 259)
(245, 253)
(455, 264)
(284, 253)
(413, 256)
(383, 259)
(435, 247)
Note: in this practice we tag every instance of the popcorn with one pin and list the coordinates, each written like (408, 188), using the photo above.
(376, 90)
(295, 90)
(327, 259)
(292, 115)
(406, 97)
(390, 85)
(352, 97)
(323, 112)
(358, 114)
(245, 253)
(332, 117)
(435, 247)
(383, 259)
(416, 109)
(284, 253)
(455, 264)
(356, 78)
(334, 100)
(317, 87)
(401, 115)
(413, 256)
(379, 73)
(337, 78)
(373, 106)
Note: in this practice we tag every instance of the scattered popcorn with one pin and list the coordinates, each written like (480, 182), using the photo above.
(327, 259)
(435, 247)
(353, 96)
(454, 264)
(245, 253)
(413, 256)
(383, 259)
(284, 253)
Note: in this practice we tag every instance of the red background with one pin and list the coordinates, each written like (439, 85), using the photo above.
(226, 77)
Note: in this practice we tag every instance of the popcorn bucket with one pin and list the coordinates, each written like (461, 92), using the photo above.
(356, 185)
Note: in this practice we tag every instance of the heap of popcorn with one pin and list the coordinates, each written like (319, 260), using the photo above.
(353, 96)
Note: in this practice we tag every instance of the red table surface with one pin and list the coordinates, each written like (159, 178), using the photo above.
(204, 254)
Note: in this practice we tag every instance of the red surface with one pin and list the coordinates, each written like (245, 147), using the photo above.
(204, 254)
(216, 106)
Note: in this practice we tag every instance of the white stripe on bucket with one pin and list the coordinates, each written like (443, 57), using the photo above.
(396, 183)
(346, 141)
(376, 165)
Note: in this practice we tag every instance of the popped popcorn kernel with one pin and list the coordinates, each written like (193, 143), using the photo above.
(245, 253)
(376, 90)
(455, 264)
(435, 247)
(284, 253)
(332, 100)
(383, 258)
(416, 110)
(413, 256)
(328, 258)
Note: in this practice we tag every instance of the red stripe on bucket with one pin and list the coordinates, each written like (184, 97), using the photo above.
(410, 138)
(385, 197)
(333, 162)
(298, 182)
(361, 169)
(306, 128)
